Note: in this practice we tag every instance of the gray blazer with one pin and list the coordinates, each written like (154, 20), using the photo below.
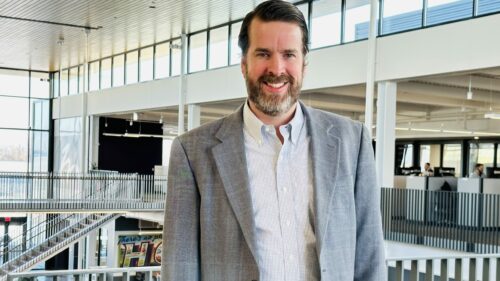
(209, 230)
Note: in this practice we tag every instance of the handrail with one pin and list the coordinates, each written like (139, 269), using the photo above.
(37, 273)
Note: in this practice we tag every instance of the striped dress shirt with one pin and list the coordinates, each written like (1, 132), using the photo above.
(280, 177)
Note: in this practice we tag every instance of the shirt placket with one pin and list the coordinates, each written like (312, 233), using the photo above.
(287, 210)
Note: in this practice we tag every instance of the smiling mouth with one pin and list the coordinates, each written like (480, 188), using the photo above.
(276, 85)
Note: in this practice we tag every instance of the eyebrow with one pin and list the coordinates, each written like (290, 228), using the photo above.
(264, 50)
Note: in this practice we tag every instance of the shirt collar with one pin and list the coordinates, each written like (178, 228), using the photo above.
(256, 127)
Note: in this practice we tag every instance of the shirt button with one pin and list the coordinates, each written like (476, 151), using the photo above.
(285, 189)
(268, 129)
(288, 223)
(291, 257)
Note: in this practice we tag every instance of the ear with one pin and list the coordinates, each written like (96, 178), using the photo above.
(243, 66)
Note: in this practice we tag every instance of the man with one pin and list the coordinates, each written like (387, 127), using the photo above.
(478, 171)
(275, 191)
(428, 171)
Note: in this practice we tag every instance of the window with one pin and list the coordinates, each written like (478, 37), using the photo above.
(406, 155)
(439, 11)
(400, 15)
(73, 80)
(132, 68)
(218, 47)
(146, 63)
(63, 87)
(235, 49)
(81, 79)
(14, 83)
(480, 153)
(118, 70)
(39, 151)
(452, 157)
(106, 73)
(39, 85)
(55, 84)
(39, 114)
(94, 76)
(357, 20)
(176, 58)
(326, 23)
(430, 153)
(198, 52)
(14, 112)
(488, 6)
(162, 63)
(13, 150)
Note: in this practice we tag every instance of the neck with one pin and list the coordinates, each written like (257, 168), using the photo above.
(276, 121)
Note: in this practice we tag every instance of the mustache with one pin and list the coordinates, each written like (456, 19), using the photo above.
(273, 79)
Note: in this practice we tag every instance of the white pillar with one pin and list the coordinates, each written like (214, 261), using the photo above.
(84, 132)
(91, 249)
(193, 116)
(94, 142)
(81, 251)
(183, 82)
(386, 134)
(371, 65)
(111, 248)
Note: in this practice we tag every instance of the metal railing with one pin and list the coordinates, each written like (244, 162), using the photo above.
(31, 192)
(149, 273)
(457, 268)
(460, 221)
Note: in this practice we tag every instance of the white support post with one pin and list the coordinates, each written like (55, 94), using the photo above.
(84, 132)
(371, 66)
(193, 116)
(386, 134)
(183, 82)
(91, 249)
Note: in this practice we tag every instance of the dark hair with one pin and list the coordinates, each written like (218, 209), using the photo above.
(478, 165)
(274, 10)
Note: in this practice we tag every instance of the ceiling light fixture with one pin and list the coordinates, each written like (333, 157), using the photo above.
(492, 115)
(469, 93)
(131, 123)
(161, 119)
(135, 116)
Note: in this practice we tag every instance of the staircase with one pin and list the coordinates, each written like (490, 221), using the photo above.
(47, 239)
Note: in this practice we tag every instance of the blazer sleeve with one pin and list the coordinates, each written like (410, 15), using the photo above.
(370, 254)
(181, 228)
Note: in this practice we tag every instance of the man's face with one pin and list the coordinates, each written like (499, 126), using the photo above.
(273, 66)
(426, 167)
(480, 168)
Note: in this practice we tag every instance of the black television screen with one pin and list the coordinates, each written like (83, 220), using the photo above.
(492, 172)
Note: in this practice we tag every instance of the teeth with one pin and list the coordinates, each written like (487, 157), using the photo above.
(276, 86)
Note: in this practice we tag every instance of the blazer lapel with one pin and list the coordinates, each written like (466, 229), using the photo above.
(230, 160)
(325, 145)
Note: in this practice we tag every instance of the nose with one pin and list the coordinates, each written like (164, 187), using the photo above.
(276, 65)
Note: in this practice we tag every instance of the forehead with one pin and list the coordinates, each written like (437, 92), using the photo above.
(274, 34)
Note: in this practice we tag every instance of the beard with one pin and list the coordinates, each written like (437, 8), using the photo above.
(269, 103)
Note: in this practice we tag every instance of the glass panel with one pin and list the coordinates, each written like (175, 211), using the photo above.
(304, 8)
(176, 58)
(407, 156)
(430, 153)
(14, 112)
(357, 20)
(40, 85)
(198, 52)
(162, 64)
(81, 78)
(439, 11)
(326, 23)
(64, 83)
(132, 67)
(488, 6)
(39, 151)
(14, 83)
(66, 140)
(235, 49)
(218, 47)
(401, 15)
(118, 70)
(94, 76)
(13, 150)
(73, 80)
(106, 73)
(55, 85)
(452, 158)
(480, 153)
(146, 64)
(40, 114)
